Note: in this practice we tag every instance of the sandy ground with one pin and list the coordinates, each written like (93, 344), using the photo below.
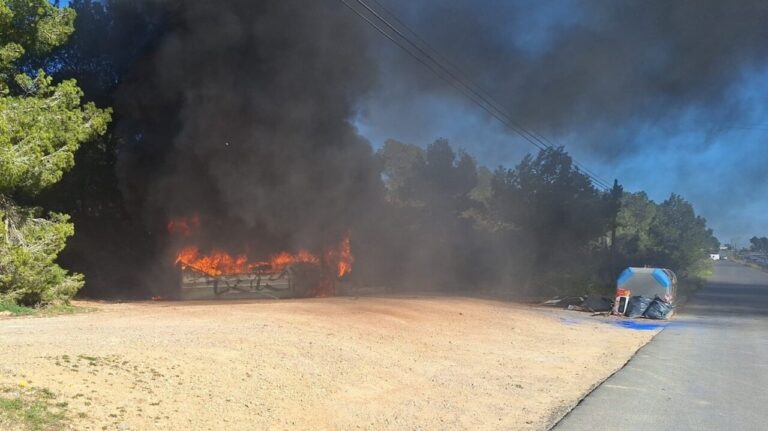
(338, 363)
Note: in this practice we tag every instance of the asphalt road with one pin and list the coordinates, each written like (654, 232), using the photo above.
(708, 370)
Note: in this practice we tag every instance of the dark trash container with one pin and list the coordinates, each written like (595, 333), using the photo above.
(637, 306)
(648, 283)
(659, 309)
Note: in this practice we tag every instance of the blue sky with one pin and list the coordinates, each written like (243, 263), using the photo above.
(708, 146)
(723, 173)
(726, 181)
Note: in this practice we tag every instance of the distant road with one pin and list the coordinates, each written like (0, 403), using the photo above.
(707, 371)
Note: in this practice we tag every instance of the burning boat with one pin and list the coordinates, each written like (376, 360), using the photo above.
(281, 275)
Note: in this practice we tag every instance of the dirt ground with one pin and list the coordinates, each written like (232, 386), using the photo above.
(415, 363)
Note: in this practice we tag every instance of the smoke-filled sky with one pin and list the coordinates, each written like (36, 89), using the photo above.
(666, 96)
(244, 115)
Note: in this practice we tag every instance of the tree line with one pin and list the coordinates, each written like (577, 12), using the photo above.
(759, 244)
(540, 227)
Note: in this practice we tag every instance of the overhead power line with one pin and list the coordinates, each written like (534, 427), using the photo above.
(451, 74)
(458, 77)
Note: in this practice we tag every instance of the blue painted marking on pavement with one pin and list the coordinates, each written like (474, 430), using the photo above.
(638, 325)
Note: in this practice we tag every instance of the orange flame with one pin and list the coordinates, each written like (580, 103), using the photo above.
(341, 257)
(218, 262)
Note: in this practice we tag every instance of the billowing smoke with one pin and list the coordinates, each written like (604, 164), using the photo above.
(244, 110)
(633, 88)
(588, 67)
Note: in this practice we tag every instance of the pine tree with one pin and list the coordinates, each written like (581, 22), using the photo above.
(42, 124)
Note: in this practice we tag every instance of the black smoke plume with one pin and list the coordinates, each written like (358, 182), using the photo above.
(241, 115)
(240, 111)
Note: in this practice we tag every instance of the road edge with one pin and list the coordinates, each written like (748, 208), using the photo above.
(555, 421)
(560, 414)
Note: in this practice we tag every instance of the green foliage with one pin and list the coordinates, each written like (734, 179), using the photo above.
(668, 235)
(442, 180)
(51, 310)
(41, 131)
(481, 197)
(553, 211)
(634, 221)
(111, 38)
(31, 27)
(15, 309)
(27, 408)
(400, 163)
(28, 249)
(42, 125)
(428, 192)
(437, 179)
(681, 239)
(542, 224)
(552, 200)
(759, 244)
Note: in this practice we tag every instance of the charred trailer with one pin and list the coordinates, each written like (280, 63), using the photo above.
(297, 280)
